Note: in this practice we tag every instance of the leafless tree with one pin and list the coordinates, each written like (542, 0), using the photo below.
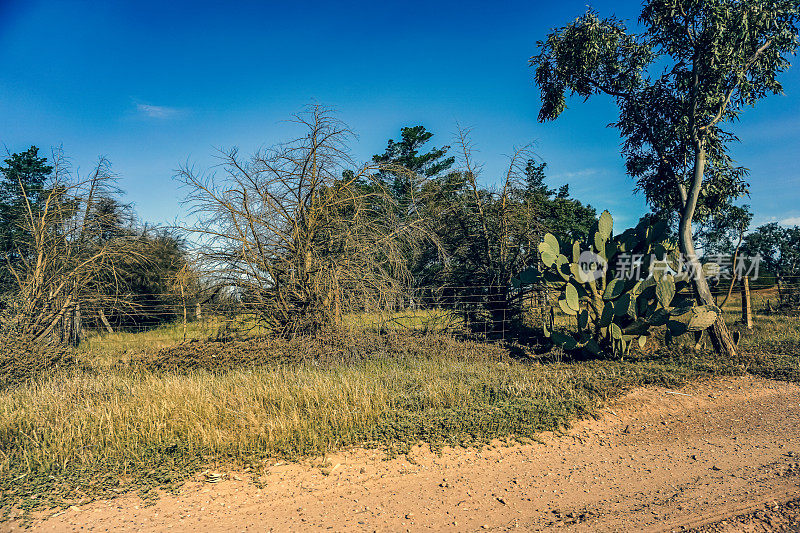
(506, 229)
(302, 233)
(64, 266)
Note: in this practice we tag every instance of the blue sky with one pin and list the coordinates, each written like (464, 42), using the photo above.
(152, 85)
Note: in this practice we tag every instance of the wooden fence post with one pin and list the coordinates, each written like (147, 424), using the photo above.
(105, 321)
(183, 302)
(747, 310)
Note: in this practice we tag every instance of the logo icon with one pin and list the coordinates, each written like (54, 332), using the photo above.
(591, 266)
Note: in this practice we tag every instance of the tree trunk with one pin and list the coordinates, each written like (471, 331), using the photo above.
(77, 326)
(733, 278)
(720, 335)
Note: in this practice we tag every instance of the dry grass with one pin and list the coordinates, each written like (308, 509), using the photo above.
(131, 417)
(102, 349)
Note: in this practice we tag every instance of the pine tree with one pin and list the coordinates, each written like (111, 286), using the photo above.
(23, 190)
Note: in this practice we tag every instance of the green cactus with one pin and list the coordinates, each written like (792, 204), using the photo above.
(612, 312)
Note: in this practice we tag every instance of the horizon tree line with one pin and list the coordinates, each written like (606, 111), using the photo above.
(302, 235)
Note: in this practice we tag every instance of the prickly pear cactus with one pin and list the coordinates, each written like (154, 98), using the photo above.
(617, 288)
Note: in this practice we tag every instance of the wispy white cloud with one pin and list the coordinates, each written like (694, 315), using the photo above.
(157, 111)
(584, 173)
(790, 221)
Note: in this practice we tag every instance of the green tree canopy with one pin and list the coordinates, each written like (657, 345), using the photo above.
(408, 153)
(778, 247)
(555, 210)
(724, 230)
(23, 186)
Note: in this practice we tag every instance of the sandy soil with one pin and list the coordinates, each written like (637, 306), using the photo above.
(721, 455)
(774, 516)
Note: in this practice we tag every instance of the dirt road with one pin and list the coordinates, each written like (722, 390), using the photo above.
(657, 460)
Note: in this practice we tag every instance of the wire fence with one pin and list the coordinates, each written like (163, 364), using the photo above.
(490, 312)
(767, 295)
(487, 310)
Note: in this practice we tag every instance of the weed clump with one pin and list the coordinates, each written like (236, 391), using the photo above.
(332, 348)
(22, 359)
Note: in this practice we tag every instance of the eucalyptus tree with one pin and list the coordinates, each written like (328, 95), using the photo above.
(688, 73)
(723, 232)
(778, 247)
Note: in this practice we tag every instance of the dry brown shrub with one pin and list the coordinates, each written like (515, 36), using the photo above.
(328, 349)
(23, 359)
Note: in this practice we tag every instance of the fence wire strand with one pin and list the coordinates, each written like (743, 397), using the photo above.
(477, 310)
